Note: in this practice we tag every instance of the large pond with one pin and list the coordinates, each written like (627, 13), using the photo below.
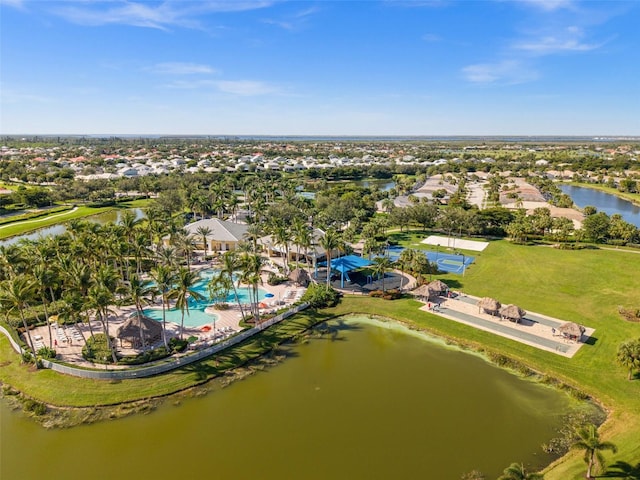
(371, 401)
(102, 218)
(604, 202)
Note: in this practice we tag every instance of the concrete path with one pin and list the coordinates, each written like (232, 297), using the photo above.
(536, 330)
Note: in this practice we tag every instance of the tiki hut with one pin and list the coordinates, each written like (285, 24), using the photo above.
(438, 287)
(572, 331)
(300, 277)
(489, 305)
(423, 291)
(139, 331)
(512, 312)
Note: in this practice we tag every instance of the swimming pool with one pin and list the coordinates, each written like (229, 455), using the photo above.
(197, 315)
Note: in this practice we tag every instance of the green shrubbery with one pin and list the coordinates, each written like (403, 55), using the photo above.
(320, 296)
(46, 352)
(97, 349)
(392, 294)
(275, 279)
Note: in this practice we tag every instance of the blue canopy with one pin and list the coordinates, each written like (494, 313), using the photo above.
(346, 264)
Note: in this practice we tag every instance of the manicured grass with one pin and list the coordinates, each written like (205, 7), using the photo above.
(83, 211)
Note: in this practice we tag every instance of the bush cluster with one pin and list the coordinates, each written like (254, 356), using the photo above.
(320, 296)
(392, 294)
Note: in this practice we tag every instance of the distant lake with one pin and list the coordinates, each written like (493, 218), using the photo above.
(369, 400)
(101, 218)
(604, 202)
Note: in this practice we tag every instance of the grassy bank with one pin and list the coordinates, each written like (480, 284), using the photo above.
(21, 227)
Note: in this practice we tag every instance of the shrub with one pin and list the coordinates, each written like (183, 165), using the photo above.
(34, 407)
(275, 279)
(320, 296)
(177, 344)
(145, 357)
(97, 349)
(47, 352)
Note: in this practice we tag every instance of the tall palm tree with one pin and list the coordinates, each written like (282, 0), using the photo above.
(329, 242)
(183, 291)
(15, 294)
(381, 265)
(589, 441)
(230, 264)
(164, 277)
(252, 265)
(140, 292)
(204, 232)
(516, 471)
(45, 279)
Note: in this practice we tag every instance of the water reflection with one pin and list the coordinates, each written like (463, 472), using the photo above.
(604, 202)
(101, 218)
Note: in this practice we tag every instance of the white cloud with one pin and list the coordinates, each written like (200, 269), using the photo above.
(549, 5)
(567, 40)
(13, 3)
(507, 72)
(431, 37)
(13, 96)
(295, 21)
(181, 68)
(151, 15)
(245, 87)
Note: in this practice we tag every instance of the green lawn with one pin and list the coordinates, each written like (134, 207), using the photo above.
(18, 228)
(585, 286)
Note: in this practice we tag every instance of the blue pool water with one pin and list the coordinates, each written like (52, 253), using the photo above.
(197, 315)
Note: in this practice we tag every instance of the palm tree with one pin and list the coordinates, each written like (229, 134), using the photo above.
(589, 441)
(164, 277)
(230, 264)
(629, 355)
(329, 242)
(380, 267)
(140, 291)
(252, 265)
(204, 232)
(45, 279)
(516, 471)
(15, 294)
(183, 291)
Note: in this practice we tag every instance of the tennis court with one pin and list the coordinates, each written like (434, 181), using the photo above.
(446, 262)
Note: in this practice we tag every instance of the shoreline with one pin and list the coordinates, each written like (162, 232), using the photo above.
(603, 188)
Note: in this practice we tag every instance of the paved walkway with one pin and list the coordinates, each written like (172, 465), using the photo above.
(535, 329)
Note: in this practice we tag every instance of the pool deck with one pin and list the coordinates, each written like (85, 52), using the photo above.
(71, 349)
(534, 329)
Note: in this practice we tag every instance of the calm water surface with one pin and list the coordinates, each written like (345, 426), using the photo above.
(375, 402)
(604, 202)
(101, 218)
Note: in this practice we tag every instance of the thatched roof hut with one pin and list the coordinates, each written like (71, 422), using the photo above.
(438, 286)
(572, 331)
(423, 291)
(300, 277)
(489, 305)
(139, 330)
(512, 312)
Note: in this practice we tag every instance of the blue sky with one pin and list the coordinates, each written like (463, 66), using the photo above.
(422, 67)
